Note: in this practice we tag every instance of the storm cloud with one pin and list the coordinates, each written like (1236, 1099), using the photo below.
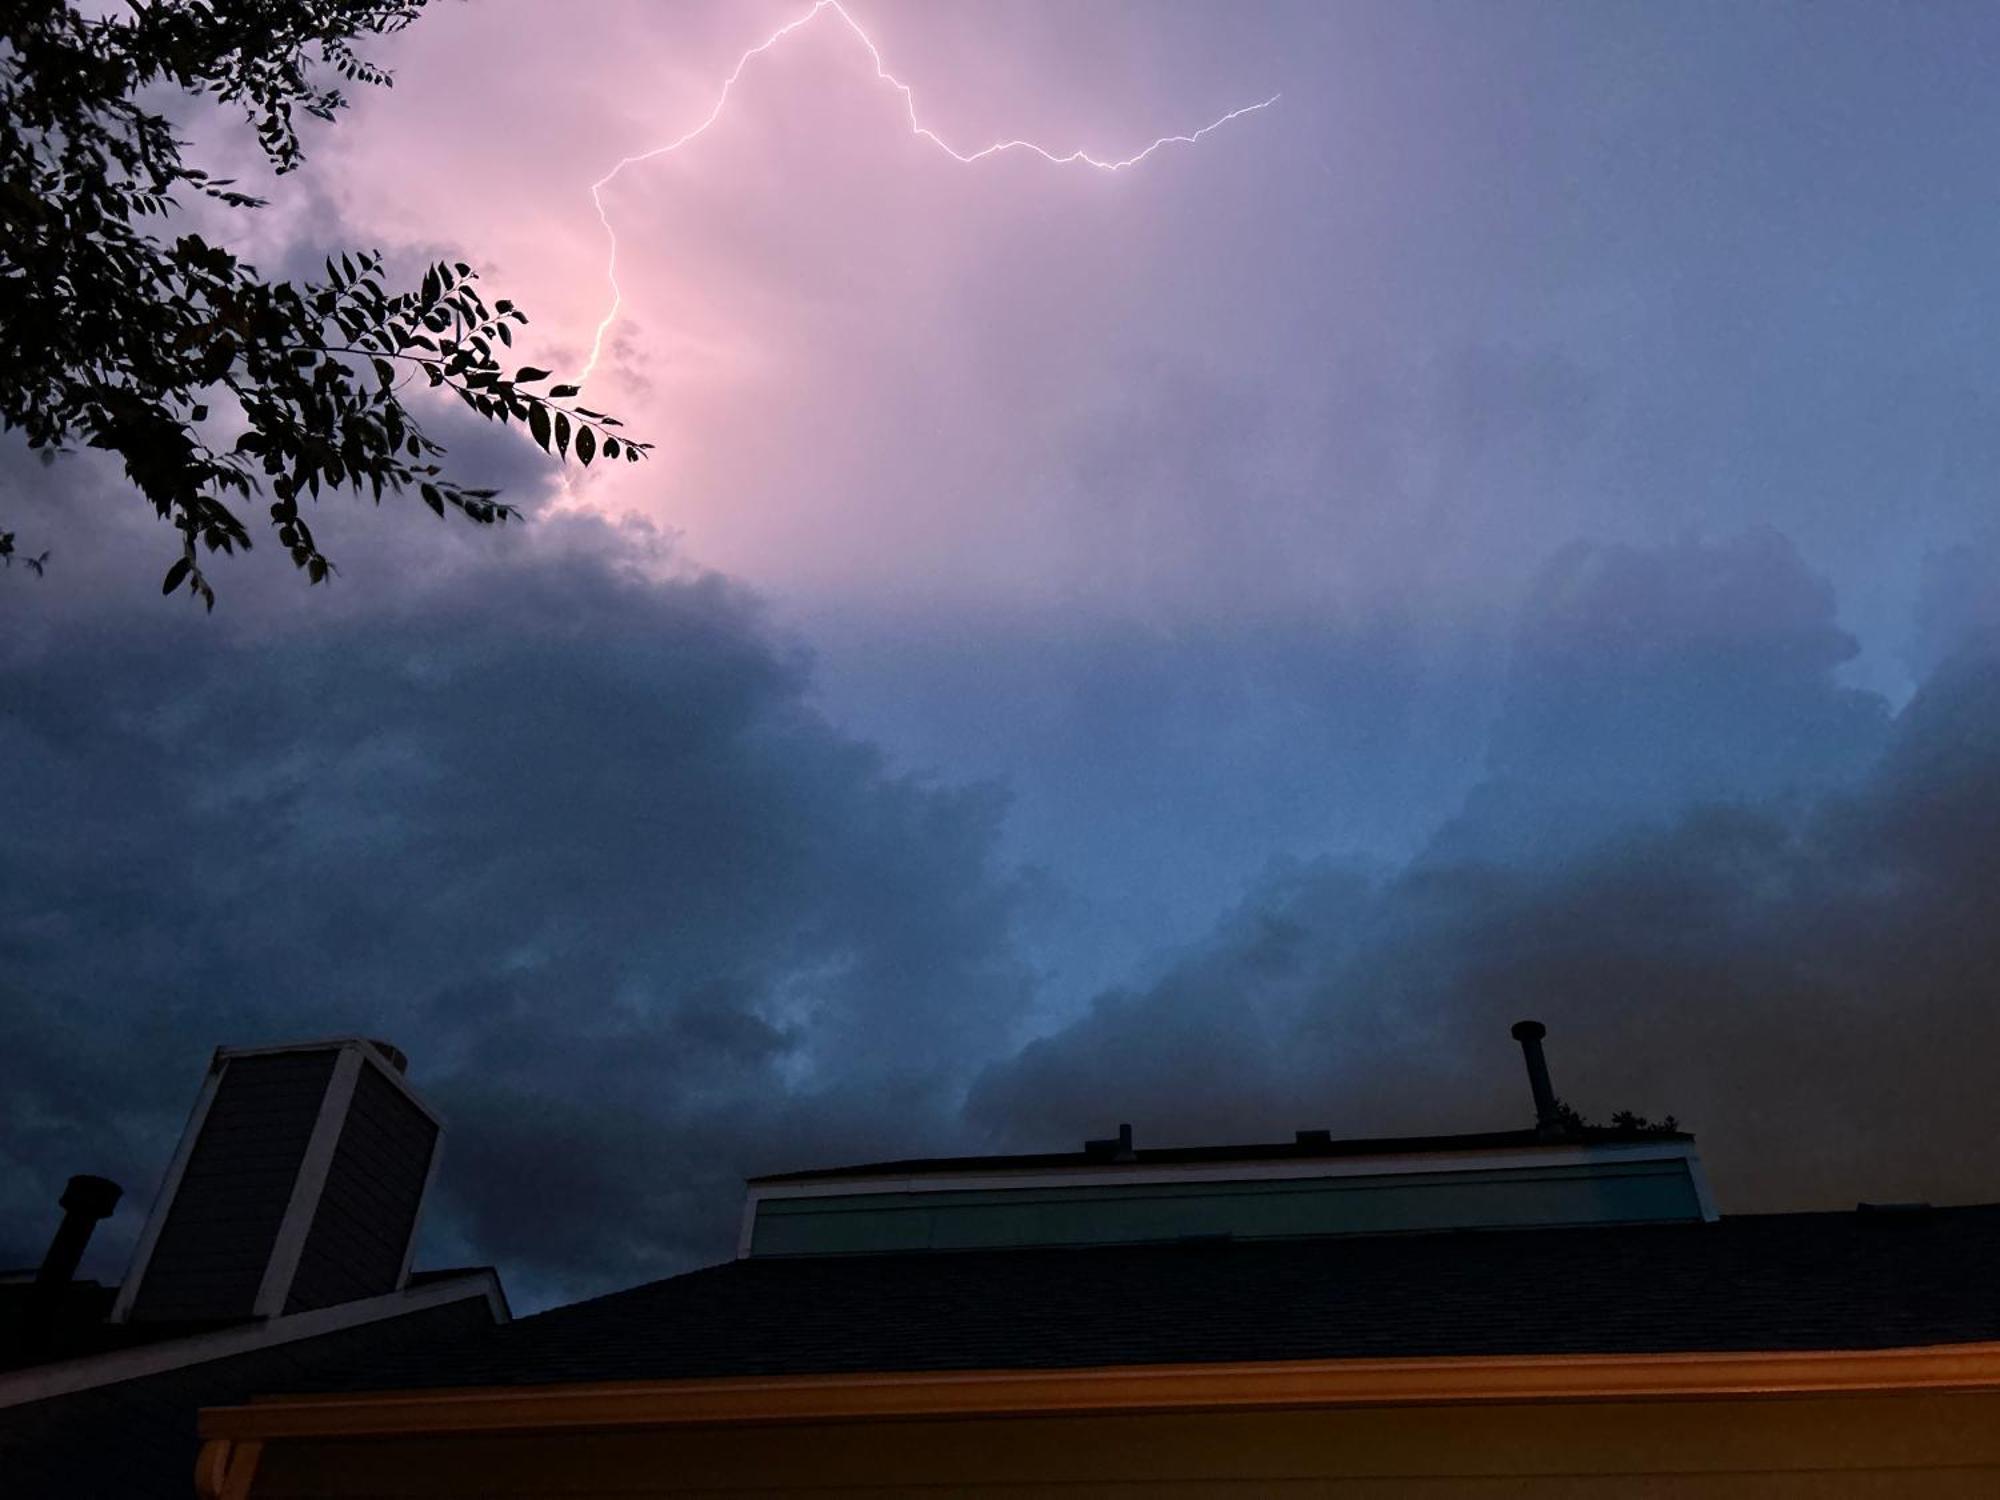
(556, 815)
(1789, 944)
(1275, 618)
(558, 822)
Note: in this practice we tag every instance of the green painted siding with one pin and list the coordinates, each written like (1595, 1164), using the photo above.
(1592, 1193)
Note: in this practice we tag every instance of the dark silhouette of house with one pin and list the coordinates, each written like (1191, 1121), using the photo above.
(1558, 1310)
(278, 1248)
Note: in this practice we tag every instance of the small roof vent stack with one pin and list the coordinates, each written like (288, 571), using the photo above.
(85, 1201)
(1113, 1149)
(1548, 1117)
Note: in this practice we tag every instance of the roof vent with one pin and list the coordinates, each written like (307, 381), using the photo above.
(85, 1201)
(1548, 1117)
(1110, 1149)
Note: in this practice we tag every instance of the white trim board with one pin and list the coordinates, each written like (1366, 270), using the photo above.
(156, 1215)
(282, 1264)
(1236, 1171)
(417, 1218)
(351, 1054)
(323, 1044)
(61, 1378)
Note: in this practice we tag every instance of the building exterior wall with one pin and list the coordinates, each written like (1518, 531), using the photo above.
(1610, 1192)
(1928, 1446)
(367, 1211)
(219, 1233)
(137, 1439)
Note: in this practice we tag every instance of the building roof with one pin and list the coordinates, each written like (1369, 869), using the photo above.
(80, 1330)
(115, 1353)
(1855, 1280)
(75, 1323)
(124, 1424)
(1307, 1146)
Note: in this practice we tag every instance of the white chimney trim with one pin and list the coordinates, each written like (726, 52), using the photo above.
(39, 1382)
(283, 1265)
(281, 1268)
(156, 1217)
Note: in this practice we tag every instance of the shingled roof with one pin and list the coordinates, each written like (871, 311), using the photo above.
(1852, 1280)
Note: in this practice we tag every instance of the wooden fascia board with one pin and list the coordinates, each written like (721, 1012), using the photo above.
(1128, 1388)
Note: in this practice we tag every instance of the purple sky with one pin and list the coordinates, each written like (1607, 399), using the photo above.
(1486, 280)
(1205, 645)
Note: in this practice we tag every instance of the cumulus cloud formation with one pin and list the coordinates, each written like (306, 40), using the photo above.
(557, 815)
(1187, 507)
(558, 822)
(1646, 678)
(1798, 966)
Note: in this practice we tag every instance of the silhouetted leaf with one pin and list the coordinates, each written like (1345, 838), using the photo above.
(126, 324)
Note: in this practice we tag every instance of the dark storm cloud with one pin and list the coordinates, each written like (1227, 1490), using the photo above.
(1156, 769)
(544, 805)
(1643, 679)
(560, 820)
(1957, 605)
(1800, 968)
(1194, 510)
(1259, 615)
(553, 818)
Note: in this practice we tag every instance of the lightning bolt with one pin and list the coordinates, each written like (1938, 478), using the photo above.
(917, 128)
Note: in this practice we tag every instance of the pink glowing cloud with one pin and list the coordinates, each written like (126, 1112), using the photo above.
(870, 370)
(917, 128)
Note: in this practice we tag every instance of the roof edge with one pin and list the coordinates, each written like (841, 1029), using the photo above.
(63, 1377)
(1553, 1153)
(1248, 1152)
(1443, 1380)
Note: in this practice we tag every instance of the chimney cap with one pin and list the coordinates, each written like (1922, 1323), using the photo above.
(1529, 1031)
(91, 1197)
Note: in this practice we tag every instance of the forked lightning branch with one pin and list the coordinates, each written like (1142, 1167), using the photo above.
(917, 128)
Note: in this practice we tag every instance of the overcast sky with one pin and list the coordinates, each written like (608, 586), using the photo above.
(1508, 529)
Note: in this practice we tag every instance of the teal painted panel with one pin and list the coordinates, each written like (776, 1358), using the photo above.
(1594, 1193)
